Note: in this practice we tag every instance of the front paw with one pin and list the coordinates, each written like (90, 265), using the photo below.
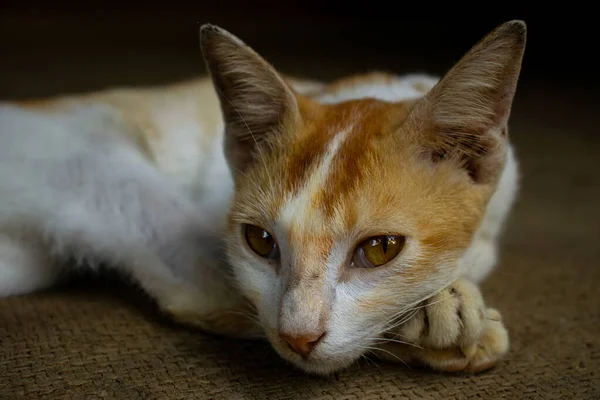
(452, 331)
(229, 318)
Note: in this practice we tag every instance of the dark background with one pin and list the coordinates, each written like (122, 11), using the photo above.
(97, 44)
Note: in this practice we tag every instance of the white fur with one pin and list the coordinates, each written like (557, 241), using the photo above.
(24, 267)
(401, 88)
(76, 187)
(189, 152)
(180, 156)
(481, 257)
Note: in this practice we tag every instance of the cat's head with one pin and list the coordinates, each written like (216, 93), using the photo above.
(346, 215)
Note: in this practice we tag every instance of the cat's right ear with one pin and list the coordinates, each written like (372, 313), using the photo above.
(255, 100)
(464, 118)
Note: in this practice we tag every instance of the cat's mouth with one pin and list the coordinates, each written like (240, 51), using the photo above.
(320, 361)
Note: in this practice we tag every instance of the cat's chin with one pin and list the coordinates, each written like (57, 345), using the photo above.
(323, 367)
(322, 361)
(319, 363)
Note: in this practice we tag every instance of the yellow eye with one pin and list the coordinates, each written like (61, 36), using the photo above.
(261, 242)
(377, 251)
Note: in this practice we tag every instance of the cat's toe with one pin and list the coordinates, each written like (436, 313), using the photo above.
(454, 317)
(453, 331)
(492, 345)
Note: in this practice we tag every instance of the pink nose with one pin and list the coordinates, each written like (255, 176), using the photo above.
(303, 344)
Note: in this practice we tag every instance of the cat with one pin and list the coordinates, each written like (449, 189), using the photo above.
(333, 218)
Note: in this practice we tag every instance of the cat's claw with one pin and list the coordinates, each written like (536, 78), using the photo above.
(451, 332)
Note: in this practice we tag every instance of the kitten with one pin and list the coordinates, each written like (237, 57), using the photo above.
(334, 218)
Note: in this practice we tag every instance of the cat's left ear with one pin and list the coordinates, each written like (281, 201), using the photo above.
(464, 117)
(255, 100)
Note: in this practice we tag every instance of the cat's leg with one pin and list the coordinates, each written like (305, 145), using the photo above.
(204, 298)
(450, 332)
(225, 311)
(75, 180)
(133, 219)
(25, 268)
(186, 284)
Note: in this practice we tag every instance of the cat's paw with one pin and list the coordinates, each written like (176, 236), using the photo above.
(191, 308)
(184, 306)
(453, 331)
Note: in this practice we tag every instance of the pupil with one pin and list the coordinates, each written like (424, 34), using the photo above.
(384, 244)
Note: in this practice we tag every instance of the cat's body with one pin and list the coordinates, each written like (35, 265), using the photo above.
(140, 179)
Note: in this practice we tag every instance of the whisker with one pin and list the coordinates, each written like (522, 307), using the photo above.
(413, 308)
(398, 341)
(374, 349)
(407, 317)
(367, 359)
(251, 317)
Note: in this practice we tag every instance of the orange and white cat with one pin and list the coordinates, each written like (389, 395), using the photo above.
(335, 219)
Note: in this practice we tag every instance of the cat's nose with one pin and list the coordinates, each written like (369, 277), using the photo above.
(303, 344)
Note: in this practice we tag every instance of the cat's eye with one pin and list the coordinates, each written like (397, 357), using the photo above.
(261, 242)
(377, 251)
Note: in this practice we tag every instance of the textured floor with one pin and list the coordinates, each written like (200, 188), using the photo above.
(96, 340)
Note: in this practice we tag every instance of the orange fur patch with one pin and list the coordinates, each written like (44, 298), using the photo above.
(377, 166)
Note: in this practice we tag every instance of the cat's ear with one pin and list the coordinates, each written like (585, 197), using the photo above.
(254, 99)
(464, 117)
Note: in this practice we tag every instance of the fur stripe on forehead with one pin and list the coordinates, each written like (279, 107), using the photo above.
(298, 212)
(336, 152)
